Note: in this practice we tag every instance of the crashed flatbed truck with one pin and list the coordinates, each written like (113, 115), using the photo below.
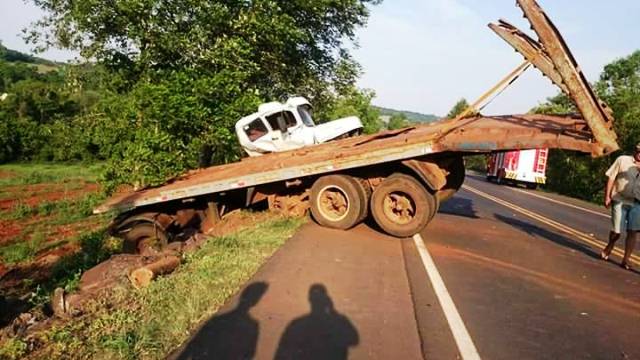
(398, 177)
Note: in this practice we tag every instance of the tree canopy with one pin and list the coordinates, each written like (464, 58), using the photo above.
(458, 108)
(273, 47)
(174, 76)
(397, 121)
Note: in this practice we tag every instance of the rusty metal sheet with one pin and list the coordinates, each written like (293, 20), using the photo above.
(531, 50)
(599, 119)
(534, 52)
(472, 135)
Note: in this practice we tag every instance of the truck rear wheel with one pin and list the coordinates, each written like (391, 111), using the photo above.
(144, 238)
(338, 201)
(401, 206)
(455, 179)
(365, 194)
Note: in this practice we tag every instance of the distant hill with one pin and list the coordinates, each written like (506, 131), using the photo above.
(16, 57)
(9, 55)
(411, 116)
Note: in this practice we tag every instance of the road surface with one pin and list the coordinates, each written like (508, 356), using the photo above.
(506, 273)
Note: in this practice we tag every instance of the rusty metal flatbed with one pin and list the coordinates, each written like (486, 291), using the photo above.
(477, 134)
(591, 133)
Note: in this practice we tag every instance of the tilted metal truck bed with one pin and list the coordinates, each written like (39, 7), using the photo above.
(592, 133)
(478, 134)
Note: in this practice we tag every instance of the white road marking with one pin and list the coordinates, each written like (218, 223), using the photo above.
(592, 240)
(460, 334)
(561, 202)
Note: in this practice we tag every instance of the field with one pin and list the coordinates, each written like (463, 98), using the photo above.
(48, 237)
(44, 221)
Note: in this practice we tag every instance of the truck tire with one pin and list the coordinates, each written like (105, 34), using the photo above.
(365, 194)
(401, 206)
(338, 201)
(434, 202)
(455, 179)
(144, 238)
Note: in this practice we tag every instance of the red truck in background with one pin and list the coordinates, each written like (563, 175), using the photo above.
(526, 167)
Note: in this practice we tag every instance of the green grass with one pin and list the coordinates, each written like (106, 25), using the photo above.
(20, 210)
(31, 173)
(13, 349)
(21, 251)
(148, 323)
(64, 211)
(40, 223)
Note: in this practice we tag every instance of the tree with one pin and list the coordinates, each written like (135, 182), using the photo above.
(182, 72)
(619, 86)
(458, 108)
(279, 46)
(398, 121)
(353, 102)
(473, 162)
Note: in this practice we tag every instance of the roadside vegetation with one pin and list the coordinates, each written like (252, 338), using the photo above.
(148, 323)
(168, 80)
(48, 238)
(45, 224)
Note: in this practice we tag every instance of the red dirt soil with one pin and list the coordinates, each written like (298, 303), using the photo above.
(41, 195)
(37, 270)
(9, 230)
(7, 174)
(40, 267)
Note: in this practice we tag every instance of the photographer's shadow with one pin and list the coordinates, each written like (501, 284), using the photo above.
(322, 334)
(232, 335)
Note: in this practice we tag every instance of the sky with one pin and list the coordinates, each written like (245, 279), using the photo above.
(424, 55)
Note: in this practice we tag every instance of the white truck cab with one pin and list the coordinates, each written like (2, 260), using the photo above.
(280, 127)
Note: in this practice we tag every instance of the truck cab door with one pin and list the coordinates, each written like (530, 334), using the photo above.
(281, 137)
(255, 137)
(298, 132)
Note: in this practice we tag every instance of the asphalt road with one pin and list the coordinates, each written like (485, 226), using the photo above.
(506, 274)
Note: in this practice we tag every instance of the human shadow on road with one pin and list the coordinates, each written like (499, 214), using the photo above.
(458, 206)
(232, 335)
(535, 230)
(322, 334)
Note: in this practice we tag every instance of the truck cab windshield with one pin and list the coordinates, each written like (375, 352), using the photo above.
(305, 114)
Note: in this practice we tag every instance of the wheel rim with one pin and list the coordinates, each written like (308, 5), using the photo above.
(333, 203)
(399, 208)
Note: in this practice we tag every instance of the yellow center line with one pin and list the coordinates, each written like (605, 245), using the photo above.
(564, 228)
(560, 202)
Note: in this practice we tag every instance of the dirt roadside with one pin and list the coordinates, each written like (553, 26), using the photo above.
(318, 294)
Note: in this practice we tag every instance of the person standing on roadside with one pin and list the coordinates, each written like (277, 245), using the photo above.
(622, 194)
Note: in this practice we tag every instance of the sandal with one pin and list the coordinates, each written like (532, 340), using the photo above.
(625, 266)
(604, 256)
